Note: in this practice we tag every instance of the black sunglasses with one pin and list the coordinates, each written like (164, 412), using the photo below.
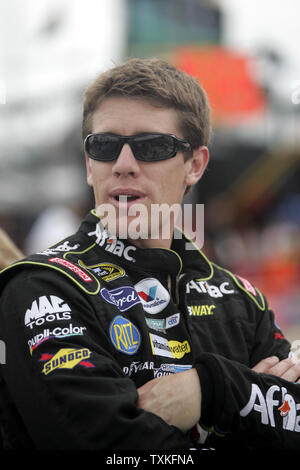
(146, 147)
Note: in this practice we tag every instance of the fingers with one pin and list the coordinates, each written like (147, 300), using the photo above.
(265, 364)
(288, 369)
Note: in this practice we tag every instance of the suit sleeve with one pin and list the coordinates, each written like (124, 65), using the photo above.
(85, 403)
(259, 410)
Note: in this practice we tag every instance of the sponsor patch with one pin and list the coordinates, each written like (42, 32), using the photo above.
(201, 310)
(57, 332)
(63, 247)
(138, 366)
(73, 267)
(162, 347)
(112, 243)
(66, 359)
(107, 271)
(46, 308)
(164, 369)
(247, 285)
(123, 297)
(162, 324)
(154, 296)
(169, 369)
(275, 406)
(203, 287)
(124, 335)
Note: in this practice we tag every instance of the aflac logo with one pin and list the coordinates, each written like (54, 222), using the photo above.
(154, 296)
(124, 335)
(123, 297)
(112, 244)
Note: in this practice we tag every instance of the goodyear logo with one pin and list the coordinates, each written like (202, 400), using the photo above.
(124, 335)
(66, 359)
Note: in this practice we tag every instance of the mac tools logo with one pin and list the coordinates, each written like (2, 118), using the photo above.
(123, 297)
(154, 296)
(47, 309)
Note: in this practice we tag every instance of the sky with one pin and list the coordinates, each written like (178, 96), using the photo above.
(93, 32)
(252, 23)
(90, 35)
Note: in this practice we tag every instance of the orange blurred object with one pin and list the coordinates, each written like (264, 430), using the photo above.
(226, 77)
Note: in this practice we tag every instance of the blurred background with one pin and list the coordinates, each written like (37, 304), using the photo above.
(244, 53)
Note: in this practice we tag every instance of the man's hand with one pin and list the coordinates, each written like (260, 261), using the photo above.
(175, 398)
(9, 252)
(288, 369)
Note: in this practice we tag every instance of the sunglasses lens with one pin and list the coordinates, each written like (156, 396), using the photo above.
(153, 147)
(145, 147)
(103, 147)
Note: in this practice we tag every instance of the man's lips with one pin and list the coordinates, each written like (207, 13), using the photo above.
(126, 196)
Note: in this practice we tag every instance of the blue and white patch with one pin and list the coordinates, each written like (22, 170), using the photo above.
(162, 324)
(124, 335)
(123, 297)
(170, 369)
(153, 295)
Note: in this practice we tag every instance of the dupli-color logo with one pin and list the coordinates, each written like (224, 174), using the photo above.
(154, 296)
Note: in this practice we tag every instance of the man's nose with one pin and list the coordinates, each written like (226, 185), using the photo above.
(126, 163)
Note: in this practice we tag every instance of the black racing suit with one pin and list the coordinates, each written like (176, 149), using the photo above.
(88, 321)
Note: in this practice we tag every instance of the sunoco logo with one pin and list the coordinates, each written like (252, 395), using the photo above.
(47, 309)
(66, 359)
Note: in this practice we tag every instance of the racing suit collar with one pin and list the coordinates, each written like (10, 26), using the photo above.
(176, 260)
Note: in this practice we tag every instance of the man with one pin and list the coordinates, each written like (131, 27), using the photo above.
(119, 337)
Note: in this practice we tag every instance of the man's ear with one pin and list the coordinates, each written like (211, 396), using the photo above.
(89, 175)
(196, 165)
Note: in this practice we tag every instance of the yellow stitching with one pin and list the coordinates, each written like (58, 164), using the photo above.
(57, 269)
(203, 256)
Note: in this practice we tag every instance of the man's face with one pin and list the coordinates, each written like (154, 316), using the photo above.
(141, 183)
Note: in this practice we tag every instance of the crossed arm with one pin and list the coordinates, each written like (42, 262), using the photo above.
(160, 396)
(183, 410)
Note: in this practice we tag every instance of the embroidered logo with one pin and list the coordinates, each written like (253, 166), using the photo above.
(124, 335)
(154, 296)
(107, 271)
(123, 297)
(162, 347)
(66, 359)
(73, 267)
